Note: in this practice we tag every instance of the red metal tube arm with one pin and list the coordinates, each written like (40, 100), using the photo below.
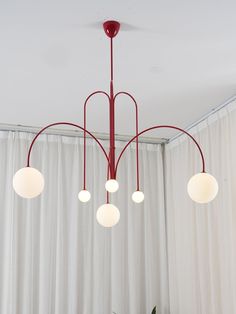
(85, 126)
(64, 123)
(159, 127)
(136, 130)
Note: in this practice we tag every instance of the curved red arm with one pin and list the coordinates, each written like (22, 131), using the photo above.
(159, 127)
(136, 130)
(85, 126)
(64, 123)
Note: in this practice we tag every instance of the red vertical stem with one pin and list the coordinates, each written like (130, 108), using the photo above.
(112, 134)
(107, 198)
(111, 53)
(108, 176)
(112, 120)
(84, 183)
(137, 152)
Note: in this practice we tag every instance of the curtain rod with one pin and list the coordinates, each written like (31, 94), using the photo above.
(75, 133)
(204, 117)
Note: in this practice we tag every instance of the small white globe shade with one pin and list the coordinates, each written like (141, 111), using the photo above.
(202, 188)
(112, 185)
(28, 182)
(138, 196)
(108, 215)
(84, 196)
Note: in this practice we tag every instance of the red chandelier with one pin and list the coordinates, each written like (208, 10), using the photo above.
(28, 182)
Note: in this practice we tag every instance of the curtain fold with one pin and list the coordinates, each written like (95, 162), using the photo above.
(202, 238)
(55, 258)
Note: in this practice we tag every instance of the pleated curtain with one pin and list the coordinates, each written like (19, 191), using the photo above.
(54, 256)
(202, 238)
(168, 251)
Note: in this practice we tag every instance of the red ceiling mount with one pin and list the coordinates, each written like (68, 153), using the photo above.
(111, 28)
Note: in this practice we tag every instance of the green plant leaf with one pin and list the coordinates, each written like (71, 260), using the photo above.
(154, 311)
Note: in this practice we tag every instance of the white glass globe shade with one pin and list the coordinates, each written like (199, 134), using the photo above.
(202, 188)
(112, 185)
(28, 182)
(138, 196)
(84, 196)
(108, 215)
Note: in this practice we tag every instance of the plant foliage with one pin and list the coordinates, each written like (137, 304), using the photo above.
(154, 311)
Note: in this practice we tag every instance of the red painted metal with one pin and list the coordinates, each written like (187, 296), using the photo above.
(112, 134)
(112, 154)
(159, 127)
(136, 128)
(63, 123)
(111, 28)
(85, 127)
(111, 56)
(108, 176)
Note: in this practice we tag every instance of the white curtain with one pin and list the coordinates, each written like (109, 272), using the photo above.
(55, 258)
(202, 238)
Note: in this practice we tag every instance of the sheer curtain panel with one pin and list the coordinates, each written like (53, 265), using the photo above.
(202, 238)
(55, 258)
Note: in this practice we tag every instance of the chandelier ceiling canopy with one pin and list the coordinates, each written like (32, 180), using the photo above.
(28, 182)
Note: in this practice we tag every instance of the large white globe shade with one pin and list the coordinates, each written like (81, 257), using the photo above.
(202, 188)
(112, 185)
(138, 196)
(108, 215)
(28, 182)
(84, 196)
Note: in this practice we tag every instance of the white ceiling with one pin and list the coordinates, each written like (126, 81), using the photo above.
(178, 60)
